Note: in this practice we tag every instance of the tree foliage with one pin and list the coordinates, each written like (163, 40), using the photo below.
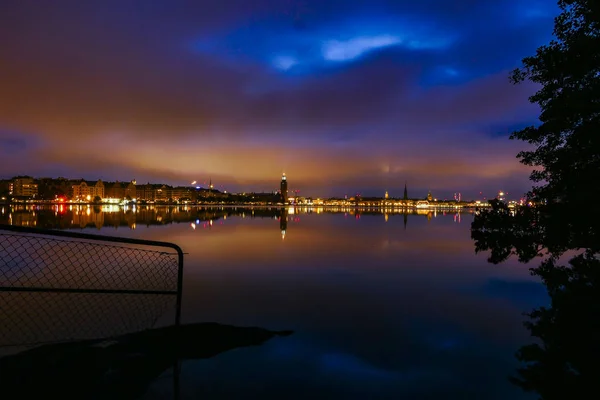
(567, 142)
(566, 221)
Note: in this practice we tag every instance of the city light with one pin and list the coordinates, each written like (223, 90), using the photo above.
(126, 194)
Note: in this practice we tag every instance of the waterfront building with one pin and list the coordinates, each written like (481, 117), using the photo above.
(144, 192)
(161, 192)
(284, 188)
(23, 187)
(120, 190)
(87, 190)
(181, 192)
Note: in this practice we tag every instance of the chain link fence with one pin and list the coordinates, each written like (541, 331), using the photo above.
(62, 286)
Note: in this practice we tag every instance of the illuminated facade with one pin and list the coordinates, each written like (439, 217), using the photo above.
(120, 190)
(181, 192)
(284, 188)
(161, 192)
(87, 190)
(23, 187)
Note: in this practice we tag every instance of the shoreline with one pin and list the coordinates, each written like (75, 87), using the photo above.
(245, 205)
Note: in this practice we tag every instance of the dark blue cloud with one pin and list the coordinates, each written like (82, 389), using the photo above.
(380, 74)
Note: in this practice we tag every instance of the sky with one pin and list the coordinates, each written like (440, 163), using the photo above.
(345, 97)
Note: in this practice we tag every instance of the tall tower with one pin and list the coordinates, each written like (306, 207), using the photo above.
(405, 192)
(210, 185)
(429, 196)
(284, 188)
(387, 195)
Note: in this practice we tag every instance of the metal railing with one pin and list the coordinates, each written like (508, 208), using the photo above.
(62, 285)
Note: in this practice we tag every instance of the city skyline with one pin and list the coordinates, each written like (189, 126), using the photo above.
(347, 97)
(127, 188)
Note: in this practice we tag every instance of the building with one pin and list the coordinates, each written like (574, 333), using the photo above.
(87, 190)
(429, 196)
(120, 190)
(154, 192)
(181, 192)
(23, 187)
(144, 192)
(284, 188)
(405, 198)
(161, 192)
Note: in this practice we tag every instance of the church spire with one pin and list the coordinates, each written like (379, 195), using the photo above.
(405, 192)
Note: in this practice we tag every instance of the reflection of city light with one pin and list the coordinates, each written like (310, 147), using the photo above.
(211, 222)
(283, 234)
(386, 217)
(193, 225)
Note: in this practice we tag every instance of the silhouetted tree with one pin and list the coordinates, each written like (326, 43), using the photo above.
(567, 160)
(568, 140)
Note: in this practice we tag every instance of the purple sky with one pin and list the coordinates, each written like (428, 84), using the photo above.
(344, 96)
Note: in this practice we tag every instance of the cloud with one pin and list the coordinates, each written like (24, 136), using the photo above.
(336, 50)
(329, 91)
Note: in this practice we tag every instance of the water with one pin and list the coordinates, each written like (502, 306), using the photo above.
(382, 305)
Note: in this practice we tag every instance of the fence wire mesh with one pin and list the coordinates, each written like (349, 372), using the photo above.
(72, 288)
(29, 318)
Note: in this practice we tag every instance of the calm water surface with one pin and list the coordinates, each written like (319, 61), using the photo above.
(395, 306)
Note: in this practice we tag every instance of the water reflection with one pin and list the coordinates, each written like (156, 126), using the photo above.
(381, 307)
(562, 363)
(86, 216)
